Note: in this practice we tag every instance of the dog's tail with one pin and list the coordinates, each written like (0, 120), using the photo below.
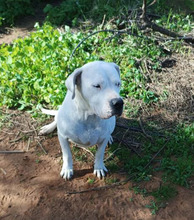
(49, 112)
(47, 129)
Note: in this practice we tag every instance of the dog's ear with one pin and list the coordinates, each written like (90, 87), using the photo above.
(72, 80)
(116, 67)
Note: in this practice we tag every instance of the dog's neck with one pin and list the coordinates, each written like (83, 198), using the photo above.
(82, 106)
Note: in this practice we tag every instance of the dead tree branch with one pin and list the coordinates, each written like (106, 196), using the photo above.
(145, 21)
(144, 7)
(152, 3)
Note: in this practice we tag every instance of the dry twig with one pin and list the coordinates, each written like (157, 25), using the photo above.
(3, 171)
(152, 3)
(28, 144)
(147, 135)
(29, 131)
(85, 149)
(41, 147)
(7, 132)
(113, 153)
(12, 152)
(15, 140)
(155, 155)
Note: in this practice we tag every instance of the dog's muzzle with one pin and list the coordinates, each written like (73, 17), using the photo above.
(117, 106)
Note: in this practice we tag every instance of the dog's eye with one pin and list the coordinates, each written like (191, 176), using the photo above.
(118, 84)
(97, 86)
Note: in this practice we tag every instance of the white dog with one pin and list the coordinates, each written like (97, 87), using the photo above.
(87, 115)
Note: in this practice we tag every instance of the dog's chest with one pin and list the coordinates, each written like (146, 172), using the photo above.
(88, 134)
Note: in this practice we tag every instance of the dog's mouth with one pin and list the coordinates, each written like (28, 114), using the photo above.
(118, 112)
(114, 112)
(115, 109)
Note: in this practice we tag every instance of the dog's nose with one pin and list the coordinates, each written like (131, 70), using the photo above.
(117, 106)
(117, 103)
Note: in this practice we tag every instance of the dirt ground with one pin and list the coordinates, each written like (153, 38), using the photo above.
(30, 184)
(31, 187)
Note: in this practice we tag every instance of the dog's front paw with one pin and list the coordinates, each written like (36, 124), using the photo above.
(99, 171)
(66, 173)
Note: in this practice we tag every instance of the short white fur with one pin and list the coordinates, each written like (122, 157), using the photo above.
(86, 116)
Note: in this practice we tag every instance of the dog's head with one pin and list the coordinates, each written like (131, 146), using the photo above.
(98, 85)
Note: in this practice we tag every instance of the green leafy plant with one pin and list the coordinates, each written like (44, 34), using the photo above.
(79, 155)
(138, 190)
(34, 69)
(91, 181)
(153, 206)
(176, 22)
(161, 195)
(111, 180)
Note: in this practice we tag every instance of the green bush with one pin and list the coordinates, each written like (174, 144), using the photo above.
(71, 10)
(68, 10)
(34, 69)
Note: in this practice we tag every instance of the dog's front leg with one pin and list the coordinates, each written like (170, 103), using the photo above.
(99, 166)
(67, 168)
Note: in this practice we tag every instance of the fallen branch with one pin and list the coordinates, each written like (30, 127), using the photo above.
(12, 152)
(147, 23)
